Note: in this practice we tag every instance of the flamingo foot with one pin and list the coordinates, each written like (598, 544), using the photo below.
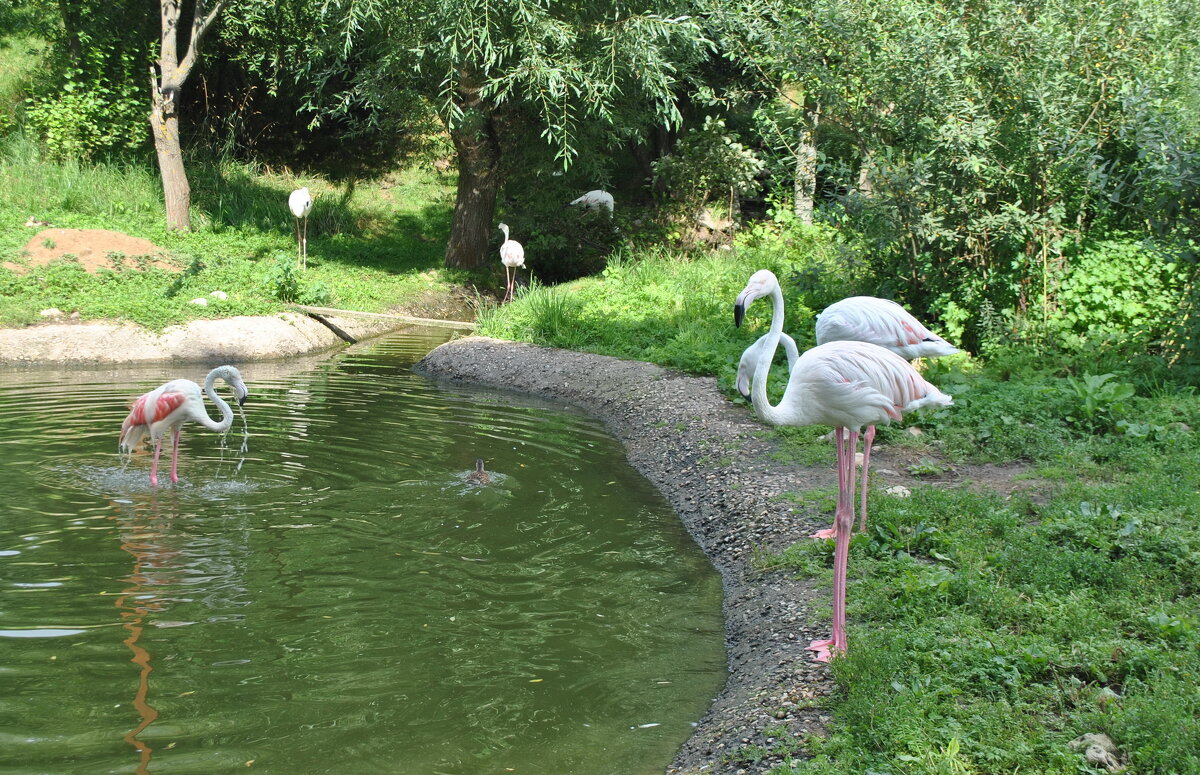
(820, 645)
(827, 533)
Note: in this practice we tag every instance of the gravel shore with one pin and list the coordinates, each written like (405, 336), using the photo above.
(710, 460)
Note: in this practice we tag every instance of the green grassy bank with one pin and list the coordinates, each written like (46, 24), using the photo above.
(371, 247)
(987, 631)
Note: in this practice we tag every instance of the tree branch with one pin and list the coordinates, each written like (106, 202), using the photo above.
(199, 27)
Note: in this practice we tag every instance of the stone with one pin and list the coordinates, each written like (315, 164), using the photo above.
(222, 295)
(898, 491)
(200, 301)
(51, 312)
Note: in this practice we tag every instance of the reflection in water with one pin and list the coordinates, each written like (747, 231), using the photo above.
(348, 600)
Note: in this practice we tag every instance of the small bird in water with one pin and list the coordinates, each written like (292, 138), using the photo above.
(479, 476)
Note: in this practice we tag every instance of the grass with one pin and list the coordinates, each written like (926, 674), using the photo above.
(986, 633)
(370, 247)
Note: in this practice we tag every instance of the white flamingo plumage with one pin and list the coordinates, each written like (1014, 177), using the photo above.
(594, 200)
(166, 408)
(845, 384)
(750, 358)
(882, 322)
(512, 255)
(892, 327)
(300, 202)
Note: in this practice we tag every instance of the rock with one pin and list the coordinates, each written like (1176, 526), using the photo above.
(200, 301)
(222, 295)
(51, 312)
(898, 491)
(914, 431)
(1099, 750)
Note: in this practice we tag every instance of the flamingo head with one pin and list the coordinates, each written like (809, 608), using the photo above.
(504, 228)
(762, 283)
(233, 378)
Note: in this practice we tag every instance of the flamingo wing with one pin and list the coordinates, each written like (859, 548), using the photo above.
(148, 409)
(512, 254)
(881, 322)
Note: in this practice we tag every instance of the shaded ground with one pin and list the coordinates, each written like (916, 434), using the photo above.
(93, 248)
(713, 463)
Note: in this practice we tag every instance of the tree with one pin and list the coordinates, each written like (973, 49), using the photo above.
(164, 106)
(502, 73)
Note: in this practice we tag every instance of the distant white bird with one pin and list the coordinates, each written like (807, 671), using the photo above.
(594, 200)
(512, 255)
(300, 203)
(881, 322)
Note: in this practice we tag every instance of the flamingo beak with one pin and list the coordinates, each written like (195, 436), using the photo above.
(739, 307)
(743, 386)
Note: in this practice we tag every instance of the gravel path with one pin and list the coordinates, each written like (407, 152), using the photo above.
(708, 458)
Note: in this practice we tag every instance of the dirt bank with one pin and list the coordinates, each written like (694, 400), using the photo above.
(708, 459)
(230, 339)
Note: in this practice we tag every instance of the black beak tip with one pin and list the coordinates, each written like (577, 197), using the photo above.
(242, 401)
(739, 312)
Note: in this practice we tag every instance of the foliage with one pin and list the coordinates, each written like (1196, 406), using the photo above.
(1099, 401)
(708, 162)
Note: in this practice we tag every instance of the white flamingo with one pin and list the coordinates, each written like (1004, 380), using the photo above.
(844, 384)
(751, 357)
(167, 407)
(594, 200)
(300, 202)
(892, 327)
(512, 255)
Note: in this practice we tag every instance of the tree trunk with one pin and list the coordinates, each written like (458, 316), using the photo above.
(478, 184)
(806, 172)
(164, 101)
(177, 193)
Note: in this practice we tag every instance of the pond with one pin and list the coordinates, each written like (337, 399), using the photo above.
(325, 591)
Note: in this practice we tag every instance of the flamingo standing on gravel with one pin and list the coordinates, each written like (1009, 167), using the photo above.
(167, 407)
(892, 327)
(844, 384)
(512, 255)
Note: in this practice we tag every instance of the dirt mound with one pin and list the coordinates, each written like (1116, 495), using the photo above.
(94, 248)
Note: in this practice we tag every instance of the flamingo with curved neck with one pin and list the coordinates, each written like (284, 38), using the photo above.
(844, 384)
(167, 407)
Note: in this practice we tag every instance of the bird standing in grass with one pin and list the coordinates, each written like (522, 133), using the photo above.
(892, 327)
(844, 384)
(300, 202)
(512, 255)
(166, 408)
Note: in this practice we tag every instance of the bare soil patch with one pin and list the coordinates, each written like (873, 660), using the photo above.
(93, 248)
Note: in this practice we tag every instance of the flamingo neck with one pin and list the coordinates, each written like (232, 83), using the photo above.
(762, 370)
(226, 421)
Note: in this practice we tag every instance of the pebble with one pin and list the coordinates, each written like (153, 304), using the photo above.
(200, 301)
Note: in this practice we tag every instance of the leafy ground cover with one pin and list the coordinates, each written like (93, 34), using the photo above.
(371, 247)
(987, 630)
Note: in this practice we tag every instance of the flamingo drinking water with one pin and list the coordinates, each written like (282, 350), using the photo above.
(166, 408)
(844, 384)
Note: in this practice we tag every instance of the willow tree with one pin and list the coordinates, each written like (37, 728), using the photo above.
(173, 71)
(500, 73)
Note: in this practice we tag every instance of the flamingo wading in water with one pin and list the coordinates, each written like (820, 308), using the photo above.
(844, 384)
(166, 408)
(512, 255)
(892, 327)
(300, 202)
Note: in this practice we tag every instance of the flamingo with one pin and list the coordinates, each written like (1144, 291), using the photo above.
(847, 385)
(167, 407)
(752, 354)
(300, 202)
(892, 327)
(512, 255)
(479, 476)
(594, 200)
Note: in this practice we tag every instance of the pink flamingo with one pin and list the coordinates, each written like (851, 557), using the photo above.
(512, 255)
(843, 384)
(167, 407)
(892, 327)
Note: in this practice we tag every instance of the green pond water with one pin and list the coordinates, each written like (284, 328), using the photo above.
(325, 592)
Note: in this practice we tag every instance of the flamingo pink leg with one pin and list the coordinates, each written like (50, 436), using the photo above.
(507, 284)
(175, 458)
(868, 439)
(844, 525)
(831, 532)
(154, 463)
